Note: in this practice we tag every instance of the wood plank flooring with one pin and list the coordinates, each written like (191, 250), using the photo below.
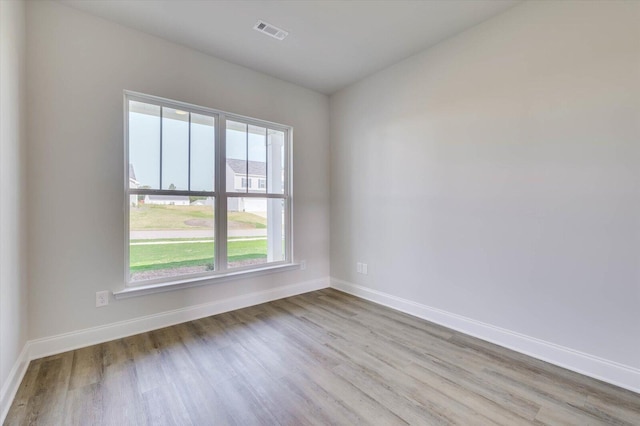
(316, 359)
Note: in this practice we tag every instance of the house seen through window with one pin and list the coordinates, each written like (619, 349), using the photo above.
(207, 192)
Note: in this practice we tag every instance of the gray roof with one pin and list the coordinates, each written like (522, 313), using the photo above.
(132, 173)
(256, 168)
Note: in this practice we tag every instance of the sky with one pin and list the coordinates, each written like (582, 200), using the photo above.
(144, 148)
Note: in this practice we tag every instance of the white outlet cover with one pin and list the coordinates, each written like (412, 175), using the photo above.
(359, 267)
(102, 298)
(303, 264)
(364, 268)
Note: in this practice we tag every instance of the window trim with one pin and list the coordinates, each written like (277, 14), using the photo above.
(220, 195)
(140, 290)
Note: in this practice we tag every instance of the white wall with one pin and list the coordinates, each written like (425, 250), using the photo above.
(495, 176)
(13, 282)
(77, 68)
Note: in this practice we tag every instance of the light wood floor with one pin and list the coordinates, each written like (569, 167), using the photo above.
(320, 358)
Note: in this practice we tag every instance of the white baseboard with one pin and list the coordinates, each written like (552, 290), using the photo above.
(589, 365)
(39, 348)
(608, 371)
(78, 339)
(11, 385)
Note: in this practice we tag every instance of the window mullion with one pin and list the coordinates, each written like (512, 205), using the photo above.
(160, 185)
(288, 188)
(246, 150)
(189, 157)
(221, 201)
(266, 161)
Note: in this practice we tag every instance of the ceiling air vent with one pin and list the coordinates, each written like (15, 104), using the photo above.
(270, 30)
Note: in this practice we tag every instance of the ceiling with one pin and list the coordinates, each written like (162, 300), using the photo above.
(331, 44)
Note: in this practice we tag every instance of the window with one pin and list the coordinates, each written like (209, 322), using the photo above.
(207, 192)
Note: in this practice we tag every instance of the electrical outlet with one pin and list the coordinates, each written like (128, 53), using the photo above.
(102, 298)
(359, 267)
(303, 264)
(364, 268)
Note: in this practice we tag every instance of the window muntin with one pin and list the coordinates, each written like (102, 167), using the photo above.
(204, 178)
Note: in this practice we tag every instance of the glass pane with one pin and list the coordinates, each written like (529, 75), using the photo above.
(276, 179)
(144, 145)
(257, 154)
(237, 180)
(255, 231)
(170, 236)
(175, 149)
(203, 136)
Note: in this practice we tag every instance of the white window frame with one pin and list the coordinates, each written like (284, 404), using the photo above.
(220, 195)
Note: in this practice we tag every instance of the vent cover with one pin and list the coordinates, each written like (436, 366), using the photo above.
(270, 30)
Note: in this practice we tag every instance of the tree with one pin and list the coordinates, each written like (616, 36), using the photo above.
(140, 196)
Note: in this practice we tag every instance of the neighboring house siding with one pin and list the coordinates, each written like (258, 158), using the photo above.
(236, 172)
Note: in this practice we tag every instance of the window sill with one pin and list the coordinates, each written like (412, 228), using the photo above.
(141, 290)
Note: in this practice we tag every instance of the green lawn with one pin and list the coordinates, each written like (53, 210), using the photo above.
(162, 256)
(180, 252)
(157, 217)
